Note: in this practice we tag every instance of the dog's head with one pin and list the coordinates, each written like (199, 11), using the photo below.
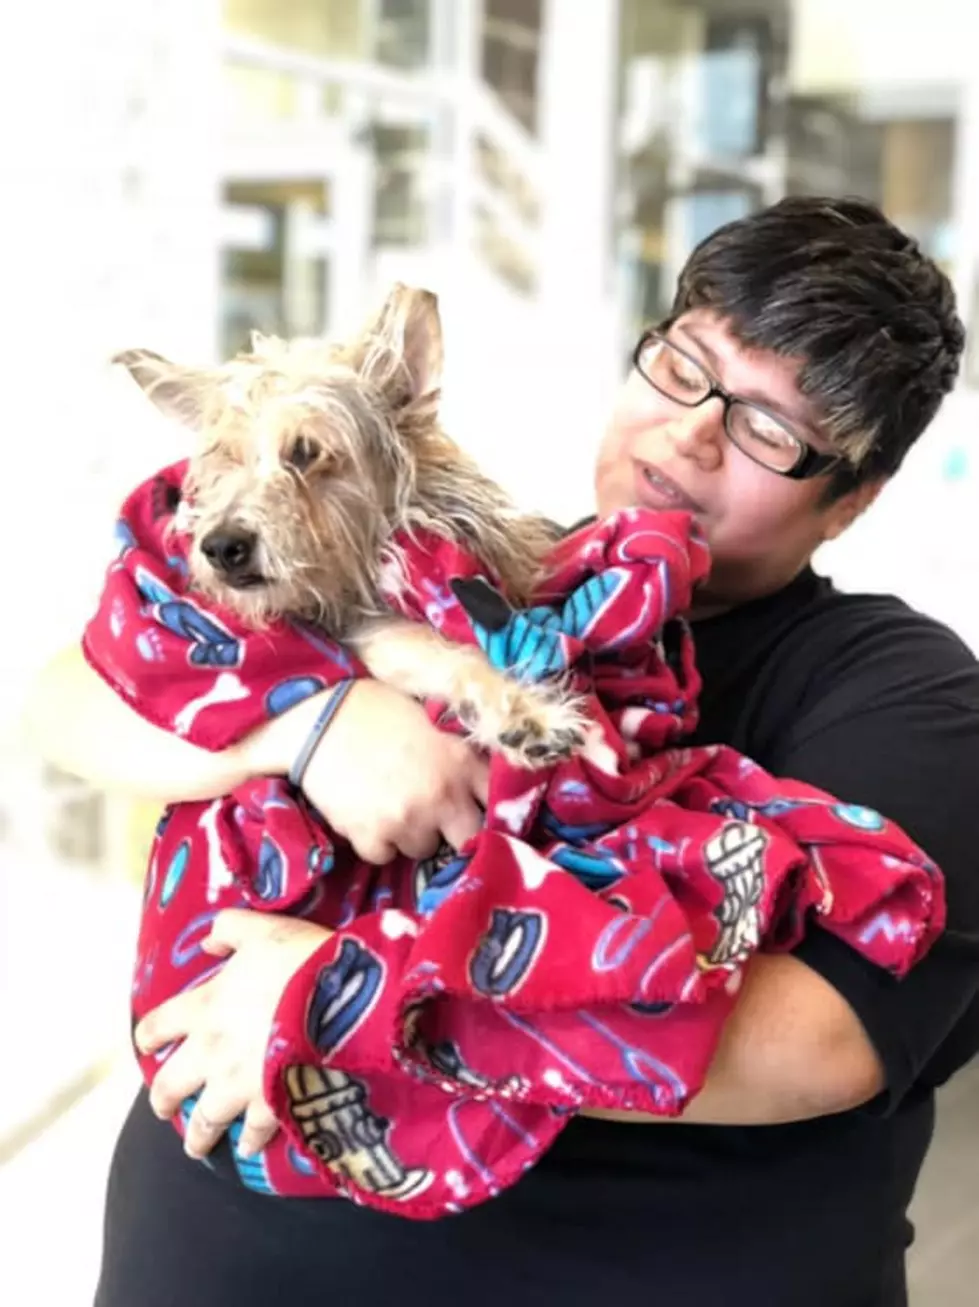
(307, 457)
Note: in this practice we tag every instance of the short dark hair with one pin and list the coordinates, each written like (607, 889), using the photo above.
(834, 283)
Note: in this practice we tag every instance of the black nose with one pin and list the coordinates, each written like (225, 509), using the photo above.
(229, 551)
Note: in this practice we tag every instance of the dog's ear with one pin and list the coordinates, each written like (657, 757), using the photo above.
(401, 350)
(178, 392)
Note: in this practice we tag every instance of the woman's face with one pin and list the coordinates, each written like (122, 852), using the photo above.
(762, 527)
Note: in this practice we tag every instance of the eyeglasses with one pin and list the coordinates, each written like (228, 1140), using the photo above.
(756, 432)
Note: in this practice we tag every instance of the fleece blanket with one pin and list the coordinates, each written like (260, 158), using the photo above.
(586, 947)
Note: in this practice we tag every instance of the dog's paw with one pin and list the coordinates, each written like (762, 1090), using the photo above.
(533, 727)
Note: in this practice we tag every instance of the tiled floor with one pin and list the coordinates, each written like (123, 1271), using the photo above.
(944, 1264)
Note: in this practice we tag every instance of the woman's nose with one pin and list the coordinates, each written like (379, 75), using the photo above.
(699, 432)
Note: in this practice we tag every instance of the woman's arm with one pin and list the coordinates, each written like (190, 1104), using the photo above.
(74, 720)
(791, 1050)
(383, 776)
(824, 1030)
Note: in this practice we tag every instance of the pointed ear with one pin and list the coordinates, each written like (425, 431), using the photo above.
(401, 349)
(178, 392)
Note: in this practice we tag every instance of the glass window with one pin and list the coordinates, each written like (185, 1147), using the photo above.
(725, 108)
(403, 36)
(739, 57)
(392, 32)
(333, 29)
(521, 13)
(401, 154)
(274, 268)
(255, 95)
(501, 252)
(498, 170)
(511, 57)
(325, 29)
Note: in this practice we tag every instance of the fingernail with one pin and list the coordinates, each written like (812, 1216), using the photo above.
(245, 1150)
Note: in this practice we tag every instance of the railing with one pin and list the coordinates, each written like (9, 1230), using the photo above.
(477, 149)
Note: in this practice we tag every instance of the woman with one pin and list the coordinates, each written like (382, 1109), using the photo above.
(809, 346)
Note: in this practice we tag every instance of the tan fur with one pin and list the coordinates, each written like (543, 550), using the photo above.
(320, 454)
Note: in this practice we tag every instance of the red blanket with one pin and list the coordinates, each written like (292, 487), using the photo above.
(582, 951)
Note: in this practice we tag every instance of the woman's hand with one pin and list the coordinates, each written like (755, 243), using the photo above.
(383, 776)
(224, 1025)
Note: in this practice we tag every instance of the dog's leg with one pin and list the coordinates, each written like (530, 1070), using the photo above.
(531, 724)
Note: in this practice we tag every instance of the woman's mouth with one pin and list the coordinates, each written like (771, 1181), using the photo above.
(657, 490)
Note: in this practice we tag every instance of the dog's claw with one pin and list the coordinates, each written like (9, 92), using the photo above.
(569, 740)
(530, 744)
(515, 738)
(532, 727)
(538, 751)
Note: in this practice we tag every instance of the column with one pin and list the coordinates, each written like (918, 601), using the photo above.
(111, 181)
(578, 89)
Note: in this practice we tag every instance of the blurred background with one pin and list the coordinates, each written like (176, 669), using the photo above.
(175, 175)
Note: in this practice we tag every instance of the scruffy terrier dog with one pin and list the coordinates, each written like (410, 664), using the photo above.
(309, 458)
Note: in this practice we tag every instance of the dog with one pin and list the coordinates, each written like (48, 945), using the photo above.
(310, 459)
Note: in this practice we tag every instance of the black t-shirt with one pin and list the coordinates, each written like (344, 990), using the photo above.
(878, 705)
(874, 703)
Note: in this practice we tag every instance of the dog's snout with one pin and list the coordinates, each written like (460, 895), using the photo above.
(229, 550)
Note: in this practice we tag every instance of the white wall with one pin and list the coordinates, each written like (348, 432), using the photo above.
(842, 45)
(920, 539)
(110, 188)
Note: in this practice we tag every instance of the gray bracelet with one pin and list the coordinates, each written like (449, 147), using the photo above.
(334, 699)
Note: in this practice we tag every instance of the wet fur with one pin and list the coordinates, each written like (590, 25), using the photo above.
(325, 452)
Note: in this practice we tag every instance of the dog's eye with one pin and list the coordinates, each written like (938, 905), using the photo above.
(303, 453)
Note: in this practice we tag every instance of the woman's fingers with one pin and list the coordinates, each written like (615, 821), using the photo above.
(181, 1075)
(214, 1111)
(171, 1021)
(259, 1128)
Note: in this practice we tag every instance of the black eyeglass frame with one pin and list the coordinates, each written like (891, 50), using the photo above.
(810, 463)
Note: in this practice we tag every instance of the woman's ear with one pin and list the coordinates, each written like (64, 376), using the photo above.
(843, 512)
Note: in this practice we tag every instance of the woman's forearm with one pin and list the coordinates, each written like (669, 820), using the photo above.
(792, 1049)
(74, 720)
